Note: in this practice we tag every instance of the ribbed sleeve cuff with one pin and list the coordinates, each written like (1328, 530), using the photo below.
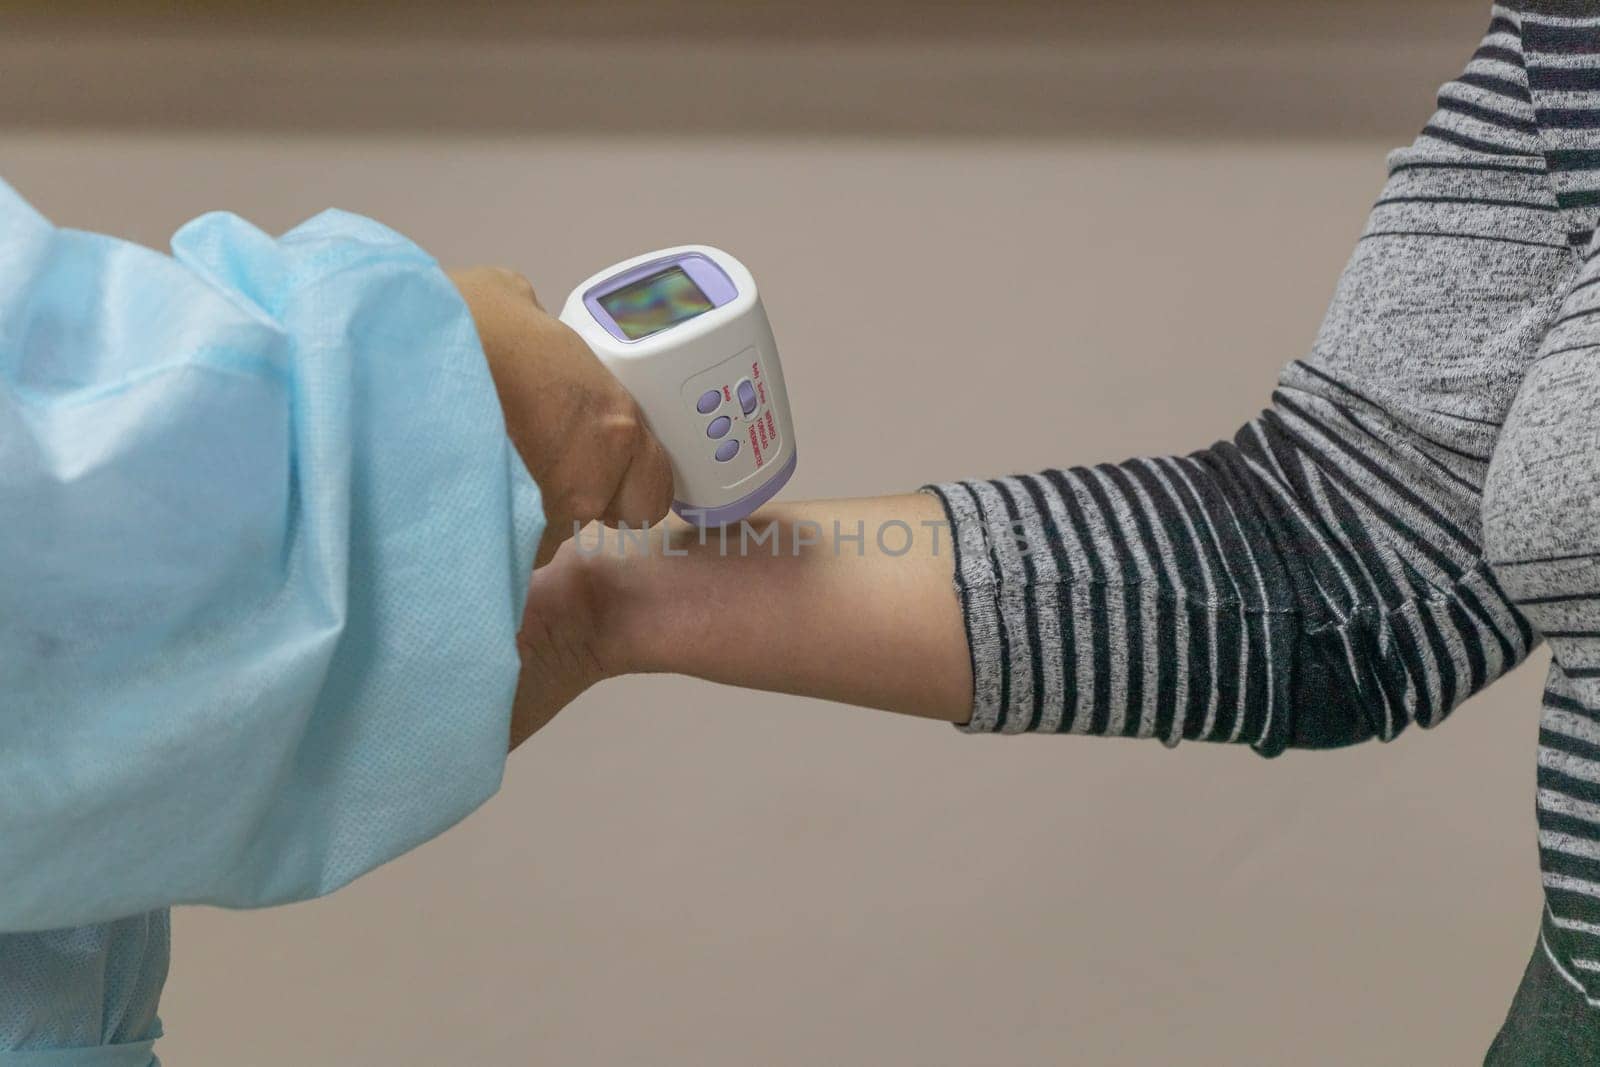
(978, 587)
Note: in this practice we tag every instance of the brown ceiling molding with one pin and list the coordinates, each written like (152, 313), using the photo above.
(1203, 68)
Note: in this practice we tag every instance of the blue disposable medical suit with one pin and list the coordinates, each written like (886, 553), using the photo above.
(263, 550)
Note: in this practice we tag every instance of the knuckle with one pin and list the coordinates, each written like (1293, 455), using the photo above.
(622, 425)
(582, 501)
(518, 283)
(661, 479)
(587, 505)
(662, 503)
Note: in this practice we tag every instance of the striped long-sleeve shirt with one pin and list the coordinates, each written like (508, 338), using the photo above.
(1418, 505)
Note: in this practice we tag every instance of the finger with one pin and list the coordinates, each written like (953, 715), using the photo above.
(549, 543)
(645, 492)
(518, 283)
(531, 707)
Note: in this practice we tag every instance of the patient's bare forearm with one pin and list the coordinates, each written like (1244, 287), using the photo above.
(847, 600)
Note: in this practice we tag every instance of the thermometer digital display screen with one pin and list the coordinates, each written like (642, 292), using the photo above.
(651, 304)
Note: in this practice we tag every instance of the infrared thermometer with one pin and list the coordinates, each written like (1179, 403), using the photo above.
(684, 331)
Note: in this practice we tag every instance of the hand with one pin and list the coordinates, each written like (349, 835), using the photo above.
(579, 432)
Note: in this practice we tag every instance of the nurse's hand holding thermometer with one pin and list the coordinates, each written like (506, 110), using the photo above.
(581, 435)
(683, 334)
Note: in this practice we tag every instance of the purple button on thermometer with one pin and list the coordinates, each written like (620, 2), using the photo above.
(684, 331)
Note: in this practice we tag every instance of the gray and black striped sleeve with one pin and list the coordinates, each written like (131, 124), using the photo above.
(1317, 579)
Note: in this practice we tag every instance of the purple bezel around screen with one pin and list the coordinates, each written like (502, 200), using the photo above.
(717, 286)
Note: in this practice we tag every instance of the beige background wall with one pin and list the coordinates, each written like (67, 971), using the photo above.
(677, 873)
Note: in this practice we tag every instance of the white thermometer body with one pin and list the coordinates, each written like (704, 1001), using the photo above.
(683, 329)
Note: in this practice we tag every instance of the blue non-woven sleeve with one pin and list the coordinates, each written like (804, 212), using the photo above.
(263, 551)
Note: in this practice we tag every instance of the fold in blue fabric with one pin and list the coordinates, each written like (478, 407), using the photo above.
(263, 551)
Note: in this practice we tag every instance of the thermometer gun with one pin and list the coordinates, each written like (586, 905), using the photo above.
(684, 331)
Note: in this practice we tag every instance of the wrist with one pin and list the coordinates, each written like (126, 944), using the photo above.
(649, 597)
(614, 591)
